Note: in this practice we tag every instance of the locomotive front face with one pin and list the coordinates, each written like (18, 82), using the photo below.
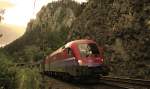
(90, 60)
(89, 55)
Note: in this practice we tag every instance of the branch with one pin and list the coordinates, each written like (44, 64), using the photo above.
(2, 11)
(1, 35)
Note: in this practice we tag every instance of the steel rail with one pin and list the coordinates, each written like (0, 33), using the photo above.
(126, 83)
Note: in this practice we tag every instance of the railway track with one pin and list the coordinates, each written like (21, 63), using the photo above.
(126, 83)
(119, 83)
(109, 83)
(58, 83)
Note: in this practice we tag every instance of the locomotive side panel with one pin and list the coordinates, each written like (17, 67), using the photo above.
(71, 61)
(63, 61)
(56, 61)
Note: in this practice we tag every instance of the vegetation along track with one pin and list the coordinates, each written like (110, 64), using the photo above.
(126, 83)
(121, 83)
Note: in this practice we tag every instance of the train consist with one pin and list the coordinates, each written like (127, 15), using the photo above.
(76, 58)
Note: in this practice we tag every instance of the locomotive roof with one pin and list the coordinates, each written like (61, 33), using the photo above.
(79, 41)
(71, 43)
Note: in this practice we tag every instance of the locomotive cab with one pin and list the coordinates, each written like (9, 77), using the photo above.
(89, 55)
(90, 59)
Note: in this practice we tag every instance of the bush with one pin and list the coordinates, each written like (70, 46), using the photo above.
(7, 72)
(28, 79)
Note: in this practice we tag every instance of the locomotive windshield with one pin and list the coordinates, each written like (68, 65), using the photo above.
(88, 50)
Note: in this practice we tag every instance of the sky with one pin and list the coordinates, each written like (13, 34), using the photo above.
(17, 14)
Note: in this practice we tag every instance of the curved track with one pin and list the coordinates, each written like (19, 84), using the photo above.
(126, 83)
(101, 83)
(58, 83)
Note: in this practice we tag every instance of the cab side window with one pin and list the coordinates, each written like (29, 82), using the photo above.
(69, 52)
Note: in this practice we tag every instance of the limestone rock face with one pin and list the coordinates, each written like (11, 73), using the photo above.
(55, 15)
(62, 17)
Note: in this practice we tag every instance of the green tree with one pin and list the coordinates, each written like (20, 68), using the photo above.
(30, 52)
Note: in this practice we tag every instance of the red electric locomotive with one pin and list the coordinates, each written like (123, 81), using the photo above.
(76, 58)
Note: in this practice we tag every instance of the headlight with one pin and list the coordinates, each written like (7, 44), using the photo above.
(80, 61)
